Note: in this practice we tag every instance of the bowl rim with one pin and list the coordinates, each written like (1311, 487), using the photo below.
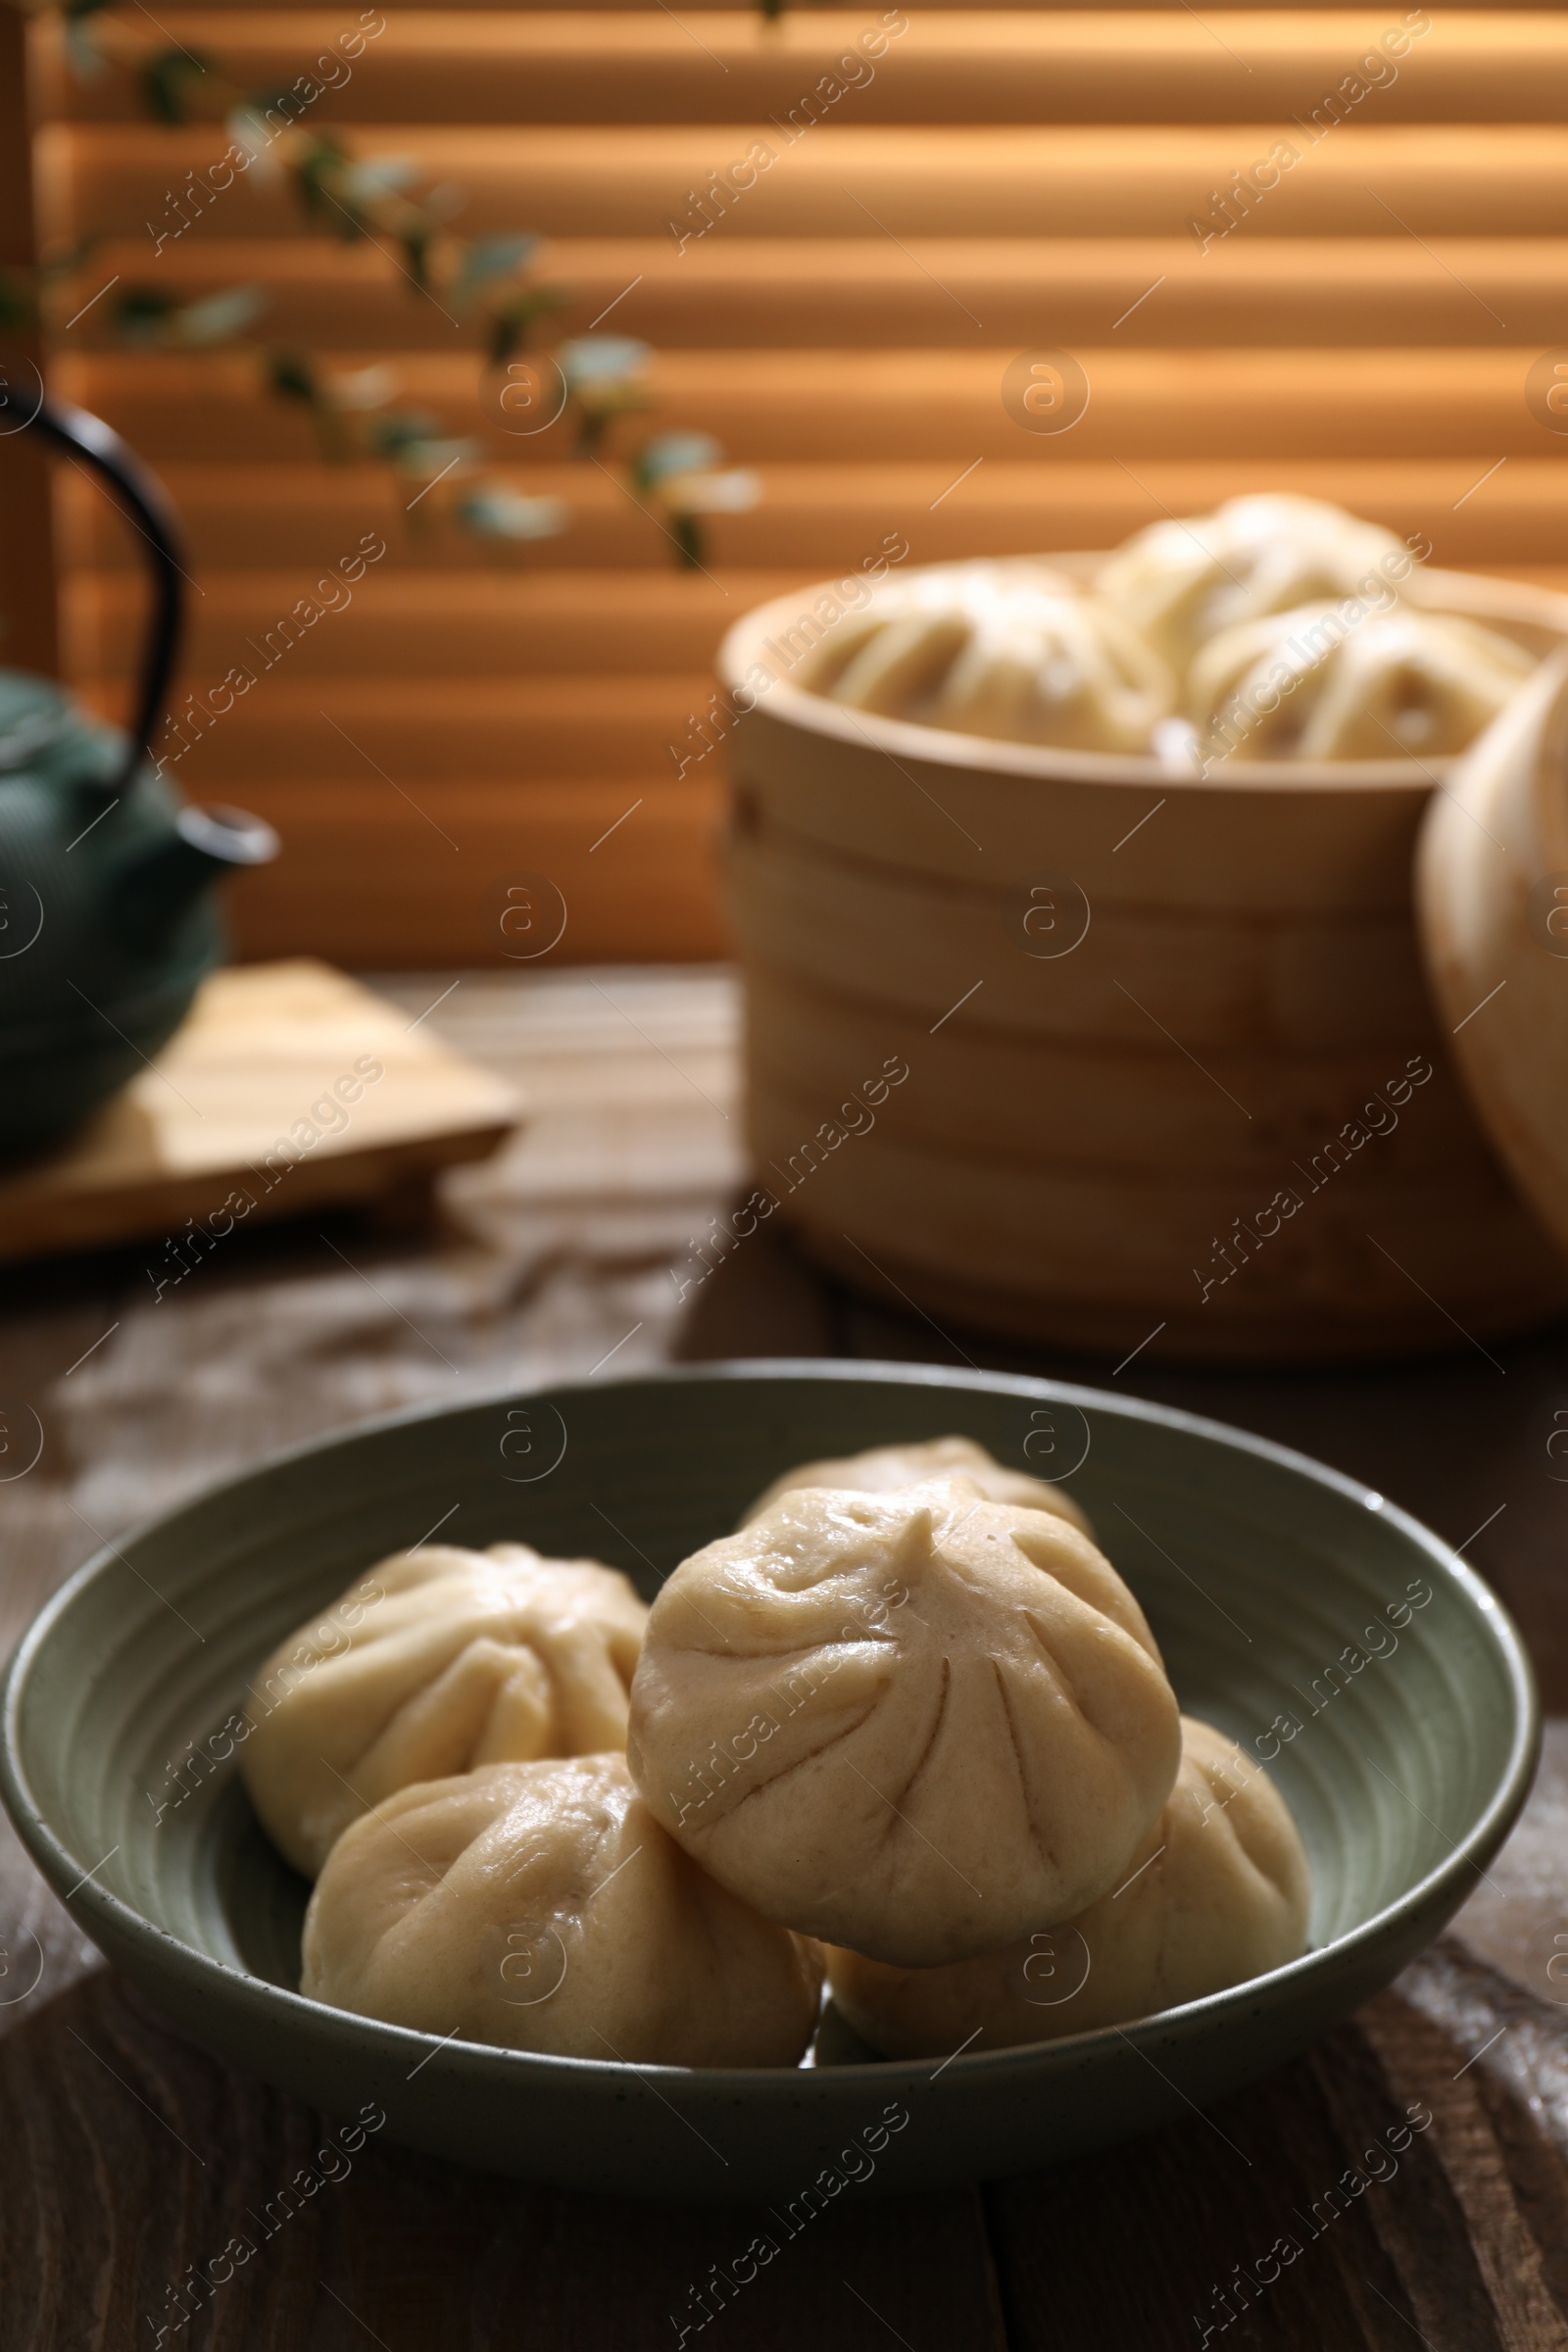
(124, 1923)
(1474, 596)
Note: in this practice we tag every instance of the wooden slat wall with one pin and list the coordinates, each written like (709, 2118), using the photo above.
(29, 635)
(1010, 178)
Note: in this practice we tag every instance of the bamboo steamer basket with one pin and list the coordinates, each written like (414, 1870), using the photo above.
(1058, 1166)
(1087, 1105)
(1254, 838)
(1302, 984)
(1496, 932)
(1111, 1262)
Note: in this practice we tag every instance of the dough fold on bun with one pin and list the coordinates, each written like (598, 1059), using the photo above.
(1218, 1893)
(541, 1907)
(1006, 650)
(1182, 581)
(919, 1723)
(1312, 684)
(432, 1662)
(882, 1467)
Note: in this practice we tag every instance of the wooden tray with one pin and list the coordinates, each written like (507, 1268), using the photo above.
(289, 1087)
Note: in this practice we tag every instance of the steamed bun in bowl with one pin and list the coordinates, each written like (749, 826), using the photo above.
(919, 1723)
(541, 1907)
(881, 1468)
(1218, 1893)
(435, 1661)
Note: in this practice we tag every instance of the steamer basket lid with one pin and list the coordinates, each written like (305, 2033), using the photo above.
(1491, 901)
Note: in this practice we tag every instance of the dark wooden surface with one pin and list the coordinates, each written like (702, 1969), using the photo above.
(127, 2155)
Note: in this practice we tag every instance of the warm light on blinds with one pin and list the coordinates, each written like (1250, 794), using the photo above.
(837, 233)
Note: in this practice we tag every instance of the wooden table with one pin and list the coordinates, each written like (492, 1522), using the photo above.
(126, 2154)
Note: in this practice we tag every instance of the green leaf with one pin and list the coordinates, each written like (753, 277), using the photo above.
(290, 376)
(491, 512)
(505, 336)
(511, 323)
(19, 298)
(140, 315)
(415, 244)
(672, 454)
(219, 317)
(258, 110)
(316, 169)
(88, 59)
(380, 176)
(146, 318)
(165, 83)
(398, 432)
(602, 361)
(487, 259)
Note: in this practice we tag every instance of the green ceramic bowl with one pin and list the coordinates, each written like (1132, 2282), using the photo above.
(1264, 1577)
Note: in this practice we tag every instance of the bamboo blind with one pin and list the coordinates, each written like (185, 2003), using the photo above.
(1362, 327)
(27, 630)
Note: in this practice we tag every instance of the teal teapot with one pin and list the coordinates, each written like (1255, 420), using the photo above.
(107, 917)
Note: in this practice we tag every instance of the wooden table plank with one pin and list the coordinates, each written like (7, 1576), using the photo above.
(127, 2155)
(141, 2160)
(1289, 2219)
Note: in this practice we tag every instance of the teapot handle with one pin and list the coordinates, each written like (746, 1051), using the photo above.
(147, 505)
